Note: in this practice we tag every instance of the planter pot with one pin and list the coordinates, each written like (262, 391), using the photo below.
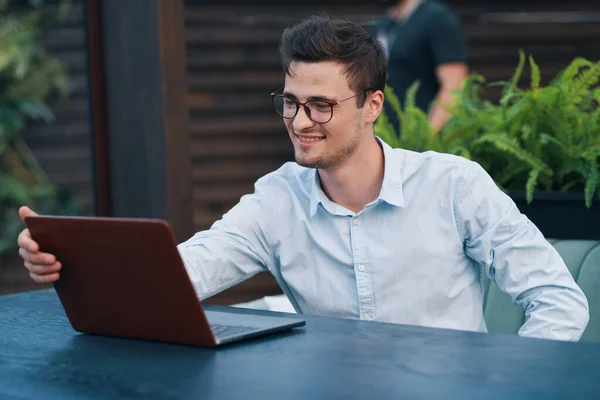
(561, 215)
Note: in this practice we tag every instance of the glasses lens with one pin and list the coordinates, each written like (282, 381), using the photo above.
(285, 107)
(320, 112)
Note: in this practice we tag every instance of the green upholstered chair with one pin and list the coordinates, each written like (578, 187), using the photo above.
(583, 259)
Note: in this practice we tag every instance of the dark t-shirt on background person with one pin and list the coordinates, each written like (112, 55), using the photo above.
(430, 36)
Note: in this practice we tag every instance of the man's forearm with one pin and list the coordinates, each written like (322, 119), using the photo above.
(439, 115)
(451, 77)
(558, 313)
(214, 264)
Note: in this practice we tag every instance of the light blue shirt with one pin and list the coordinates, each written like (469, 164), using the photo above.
(416, 255)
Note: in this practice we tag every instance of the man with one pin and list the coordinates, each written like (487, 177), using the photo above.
(356, 229)
(424, 42)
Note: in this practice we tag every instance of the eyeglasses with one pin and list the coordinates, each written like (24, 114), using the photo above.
(318, 111)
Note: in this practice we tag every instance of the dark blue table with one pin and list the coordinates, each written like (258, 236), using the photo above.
(41, 357)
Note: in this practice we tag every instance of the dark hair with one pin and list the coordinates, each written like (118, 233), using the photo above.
(322, 38)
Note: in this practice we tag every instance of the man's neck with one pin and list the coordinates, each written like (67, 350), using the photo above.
(358, 182)
(403, 9)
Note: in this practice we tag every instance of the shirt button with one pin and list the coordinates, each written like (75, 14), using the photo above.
(356, 221)
(361, 268)
(367, 317)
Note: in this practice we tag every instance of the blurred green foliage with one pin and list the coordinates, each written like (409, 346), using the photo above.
(29, 76)
(546, 137)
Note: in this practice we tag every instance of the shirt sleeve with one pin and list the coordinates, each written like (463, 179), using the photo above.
(447, 39)
(515, 255)
(235, 248)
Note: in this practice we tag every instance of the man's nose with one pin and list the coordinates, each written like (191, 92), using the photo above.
(301, 120)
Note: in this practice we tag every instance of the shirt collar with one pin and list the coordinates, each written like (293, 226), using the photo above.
(391, 189)
(316, 193)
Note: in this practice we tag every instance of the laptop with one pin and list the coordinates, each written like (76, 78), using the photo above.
(124, 277)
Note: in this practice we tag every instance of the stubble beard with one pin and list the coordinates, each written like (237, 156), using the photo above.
(331, 158)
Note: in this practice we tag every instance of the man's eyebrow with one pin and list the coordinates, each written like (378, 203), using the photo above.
(323, 98)
(311, 98)
(288, 94)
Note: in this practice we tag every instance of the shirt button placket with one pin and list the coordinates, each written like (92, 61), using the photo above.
(363, 279)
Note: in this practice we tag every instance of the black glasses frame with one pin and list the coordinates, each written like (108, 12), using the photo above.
(307, 109)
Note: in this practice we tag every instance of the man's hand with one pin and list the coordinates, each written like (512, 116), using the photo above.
(42, 267)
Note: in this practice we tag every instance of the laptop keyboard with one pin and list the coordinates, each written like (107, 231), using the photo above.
(220, 330)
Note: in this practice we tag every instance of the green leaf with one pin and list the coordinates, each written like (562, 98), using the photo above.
(509, 172)
(11, 120)
(591, 153)
(583, 84)
(566, 76)
(546, 139)
(505, 100)
(531, 184)
(37, 110)
(6, 58)
(13, 191)
(386, 131)
(571, 166)
(518, 110)
(535, 75)
(411, 93)
(393, 100)
(519, 71)
(460, 151)
(408, 123)
(590, 185)
(505, 143)
(567, 187)
(527, 131)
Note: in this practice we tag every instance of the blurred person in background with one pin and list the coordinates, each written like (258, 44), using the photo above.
(424, 41)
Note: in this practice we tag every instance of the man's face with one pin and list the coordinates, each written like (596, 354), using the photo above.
(323, 146)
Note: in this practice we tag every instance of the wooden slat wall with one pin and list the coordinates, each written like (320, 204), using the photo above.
(233, 65)
(63, 147)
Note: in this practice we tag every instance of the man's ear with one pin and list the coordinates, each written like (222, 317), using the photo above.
(373, 106)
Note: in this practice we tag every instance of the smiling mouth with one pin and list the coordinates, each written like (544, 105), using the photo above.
(309, 139)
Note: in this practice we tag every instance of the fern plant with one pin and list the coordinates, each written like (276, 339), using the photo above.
(28, 76)
(417, 131)
(538, 137)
